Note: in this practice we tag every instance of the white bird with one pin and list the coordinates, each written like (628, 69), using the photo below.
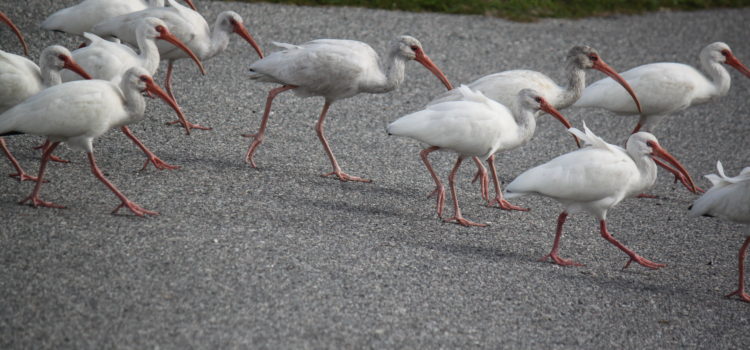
(729, 198)
(189, 26)
(16, 31)
(667, 87)
(595, 179)
(76, 113)
(109, 60)
(504, 86)
(334, 69)
(80, 18)
(474, 126)
(20, 79)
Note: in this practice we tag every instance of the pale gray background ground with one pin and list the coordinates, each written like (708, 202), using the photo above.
(279, 257)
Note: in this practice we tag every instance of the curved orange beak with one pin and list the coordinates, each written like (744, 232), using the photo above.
(72, 65)
(734, 62)
(545, 106)
(240, 29)
(190, 3)
(609, 71)
(660, 152)
(166, 35)
(427, 63)
(15, 30)
(153, 89)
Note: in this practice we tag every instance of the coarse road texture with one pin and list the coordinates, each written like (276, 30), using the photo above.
(280, 258)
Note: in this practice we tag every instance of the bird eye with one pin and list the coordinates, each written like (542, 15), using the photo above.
(538, 99)
(594, 57)
(144, 78)
(725, 52)
(62, 57)
(160, 28)
(415, 48)
(650, 143)
(232, 21)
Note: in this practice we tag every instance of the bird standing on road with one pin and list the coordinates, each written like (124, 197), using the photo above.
(474, 126)
(78, 112)
(595, 179)
(334, 69)
(729, 198)
(667, 87)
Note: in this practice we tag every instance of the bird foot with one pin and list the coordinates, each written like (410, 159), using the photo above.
(189, 126)
(505, 205)
(646, 195)
(36, 202)
(158, 164)
(439, 191)
(346, 177)
(135, 208)
(560, 261)
(741, 294)
(643, 261)
(461, 221)
(24, 177)
(253, 146)
(484, 182)
(58, 159)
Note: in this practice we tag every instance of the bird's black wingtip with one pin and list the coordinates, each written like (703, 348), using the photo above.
(11, 133)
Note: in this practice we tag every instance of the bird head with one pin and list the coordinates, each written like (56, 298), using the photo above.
(531, 99)
(231, 22)
(410, 48)
(60, 58)
(155, 28)
(720, 52)
(645, 143)
(586, 57)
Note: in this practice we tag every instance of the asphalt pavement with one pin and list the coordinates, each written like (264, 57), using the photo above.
(280, 258)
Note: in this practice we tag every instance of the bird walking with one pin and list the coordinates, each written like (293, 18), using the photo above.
(474, 126)
(729, 198)
(78, 112)
(334, 69)
(667, 87)
(594, 179)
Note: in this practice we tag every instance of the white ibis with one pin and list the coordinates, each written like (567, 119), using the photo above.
(595, 179)
(187, 25)
(80, 18)
(20, 79)
(109, 60)
(76, 113)
(505, 86)
(474, 126)
(16, 31)
(729, 198)
(667, 87)
(334, 69)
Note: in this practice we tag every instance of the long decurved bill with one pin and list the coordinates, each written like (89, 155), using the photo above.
(190, 3)
(427, 63)
(555, 113)
(609, 71)
(167, 36)
(660, 152)
(72, 65)
(240, 29)
(734, 62)
(153, 89)
(15, 30)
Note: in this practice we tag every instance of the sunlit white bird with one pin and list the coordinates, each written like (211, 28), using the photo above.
(334, 69)
(20, 79)
(109, 60)
(729, 198)
(594, 179)
(474, 126)
(16, 31)
(79, 18)
(78, 112)
(189, 26)
(667, 87)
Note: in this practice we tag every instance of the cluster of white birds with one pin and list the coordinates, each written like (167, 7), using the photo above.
(493, 114)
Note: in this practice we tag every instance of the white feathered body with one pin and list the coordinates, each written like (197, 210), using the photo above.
(19, 80)
(729, 198)
(107, 60)
(81, 17)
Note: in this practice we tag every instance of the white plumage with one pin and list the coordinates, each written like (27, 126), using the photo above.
(729, 198)
(665, 88)
(595, 179)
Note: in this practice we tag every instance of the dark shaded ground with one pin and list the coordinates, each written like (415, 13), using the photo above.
(279, 257)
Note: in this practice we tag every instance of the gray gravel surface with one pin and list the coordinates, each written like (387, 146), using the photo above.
(278, 257)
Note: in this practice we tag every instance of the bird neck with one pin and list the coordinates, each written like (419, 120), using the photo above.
(391, 75)
(50, 76)
(149, 55)
(526, 120)
(576, 84)
(647, 169)
(719, 75)
(155, 3)
(135, 104)
(219, 41)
